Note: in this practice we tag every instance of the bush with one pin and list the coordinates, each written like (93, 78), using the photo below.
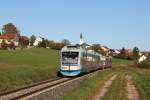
(144, 64)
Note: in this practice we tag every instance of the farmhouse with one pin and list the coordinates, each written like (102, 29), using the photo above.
(10, 38)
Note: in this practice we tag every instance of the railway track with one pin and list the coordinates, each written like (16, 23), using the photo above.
(29, 91)
(26, 91)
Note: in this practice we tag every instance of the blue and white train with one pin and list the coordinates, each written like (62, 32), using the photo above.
(76, 61)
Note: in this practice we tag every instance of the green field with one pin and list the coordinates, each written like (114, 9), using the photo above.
(122, 62)
(23, 67)
(117, 91)
(142, 81)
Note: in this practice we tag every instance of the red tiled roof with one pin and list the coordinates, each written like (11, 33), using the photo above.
(4, 37)
(8, 36)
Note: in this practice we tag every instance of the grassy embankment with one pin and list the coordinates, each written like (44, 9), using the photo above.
(19, 68)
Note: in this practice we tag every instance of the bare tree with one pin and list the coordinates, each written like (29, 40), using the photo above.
(65, 42)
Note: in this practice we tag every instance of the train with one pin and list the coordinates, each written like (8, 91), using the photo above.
(76, 60)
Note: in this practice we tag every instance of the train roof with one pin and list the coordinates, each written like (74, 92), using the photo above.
(78, 49)
(72, 48)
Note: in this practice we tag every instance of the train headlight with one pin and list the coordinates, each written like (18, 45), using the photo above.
(64, 68)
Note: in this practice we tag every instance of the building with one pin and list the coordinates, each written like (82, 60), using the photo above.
(142, 58)
(10, 38)
(81, 39)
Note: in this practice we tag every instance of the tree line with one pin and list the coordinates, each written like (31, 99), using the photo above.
(24, 41)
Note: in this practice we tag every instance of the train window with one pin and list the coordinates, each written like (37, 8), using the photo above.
(89, 57)
(70, 57)
(95, 58)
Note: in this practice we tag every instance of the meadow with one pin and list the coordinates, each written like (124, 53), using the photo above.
(117, 91)
(23, 67)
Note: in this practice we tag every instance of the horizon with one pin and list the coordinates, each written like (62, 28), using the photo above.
(115, 24)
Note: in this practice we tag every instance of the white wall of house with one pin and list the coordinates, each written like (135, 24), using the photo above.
(37, 41)
(7, 42)
(142, 58)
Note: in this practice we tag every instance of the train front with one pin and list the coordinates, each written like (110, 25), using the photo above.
(70, 63)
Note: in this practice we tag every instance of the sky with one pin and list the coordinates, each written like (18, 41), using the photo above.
(114, 23)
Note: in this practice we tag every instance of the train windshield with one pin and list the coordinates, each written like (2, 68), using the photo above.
(70, 57)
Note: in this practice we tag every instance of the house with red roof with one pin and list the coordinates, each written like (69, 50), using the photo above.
(9, 39)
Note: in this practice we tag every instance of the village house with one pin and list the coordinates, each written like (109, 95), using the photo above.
(105, 48)
(9, 38)
(142, 58)
(114, 52)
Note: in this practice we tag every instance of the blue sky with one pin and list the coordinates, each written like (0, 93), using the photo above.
(115, 23)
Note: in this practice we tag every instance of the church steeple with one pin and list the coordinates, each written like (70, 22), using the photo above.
(81, 36)
(81, 39)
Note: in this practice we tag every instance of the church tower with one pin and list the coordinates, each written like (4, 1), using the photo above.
(81, 39)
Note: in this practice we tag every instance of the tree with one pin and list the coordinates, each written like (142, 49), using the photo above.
(0, 34)
(65, 42)
(43, 43)
(10, 28)
(32, 40)
(122, 53)
(57, 46)
(50, 43)
(149, 54)
(135, 53)
(23, 40)
(96, 47)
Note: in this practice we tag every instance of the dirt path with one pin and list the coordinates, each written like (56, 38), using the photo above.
(132, 92)
(105, 88)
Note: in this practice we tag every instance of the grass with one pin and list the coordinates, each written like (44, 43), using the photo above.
(117, 89)
(19, 68)
(117, 61)
(141, 78)
(89, 87)
(142, 81)
(144, 64)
